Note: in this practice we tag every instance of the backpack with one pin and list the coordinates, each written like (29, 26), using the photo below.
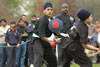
(73, 33)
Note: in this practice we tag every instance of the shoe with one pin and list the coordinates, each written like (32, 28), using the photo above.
(31, 65)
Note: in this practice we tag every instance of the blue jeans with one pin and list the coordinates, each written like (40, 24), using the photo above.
(93, 39)
(20, 56)
(3, 55)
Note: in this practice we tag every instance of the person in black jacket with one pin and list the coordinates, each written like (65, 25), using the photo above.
(77, 41)
(66, 18)
(13, 40)
(68, 21)
(30, 29)
(21, 51)
(24, 18)
(42, 46)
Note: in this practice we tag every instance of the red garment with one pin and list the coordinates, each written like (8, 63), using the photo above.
(54, 44)
(12, 29)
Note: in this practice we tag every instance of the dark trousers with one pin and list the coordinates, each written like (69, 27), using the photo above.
(41, 53)
(80, 58)
(98, 59)
(26, 55)
(11, 57)
(59, 53)
(4, 57)
(30, 53)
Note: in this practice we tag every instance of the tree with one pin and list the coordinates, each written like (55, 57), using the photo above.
(92, 5)
(31, 7)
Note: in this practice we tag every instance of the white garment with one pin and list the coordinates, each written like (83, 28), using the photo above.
(98, 40)
(3, 33)
(49, 38)
(65, 35)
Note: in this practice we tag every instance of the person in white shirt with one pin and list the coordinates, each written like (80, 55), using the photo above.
(98, 38)
(3, 50)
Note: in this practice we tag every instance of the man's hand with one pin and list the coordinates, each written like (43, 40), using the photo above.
(90, 47)
(51, 43)
(8, 45)
(58, 40)
(98, 52)
(89, 38)
(17, 46)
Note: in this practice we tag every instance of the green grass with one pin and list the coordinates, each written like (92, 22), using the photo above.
(76, 65)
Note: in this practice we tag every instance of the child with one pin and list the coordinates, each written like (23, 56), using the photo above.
(12, 39)
(74, 47)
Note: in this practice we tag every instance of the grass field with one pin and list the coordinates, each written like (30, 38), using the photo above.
(76, 65)
(94, 65)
